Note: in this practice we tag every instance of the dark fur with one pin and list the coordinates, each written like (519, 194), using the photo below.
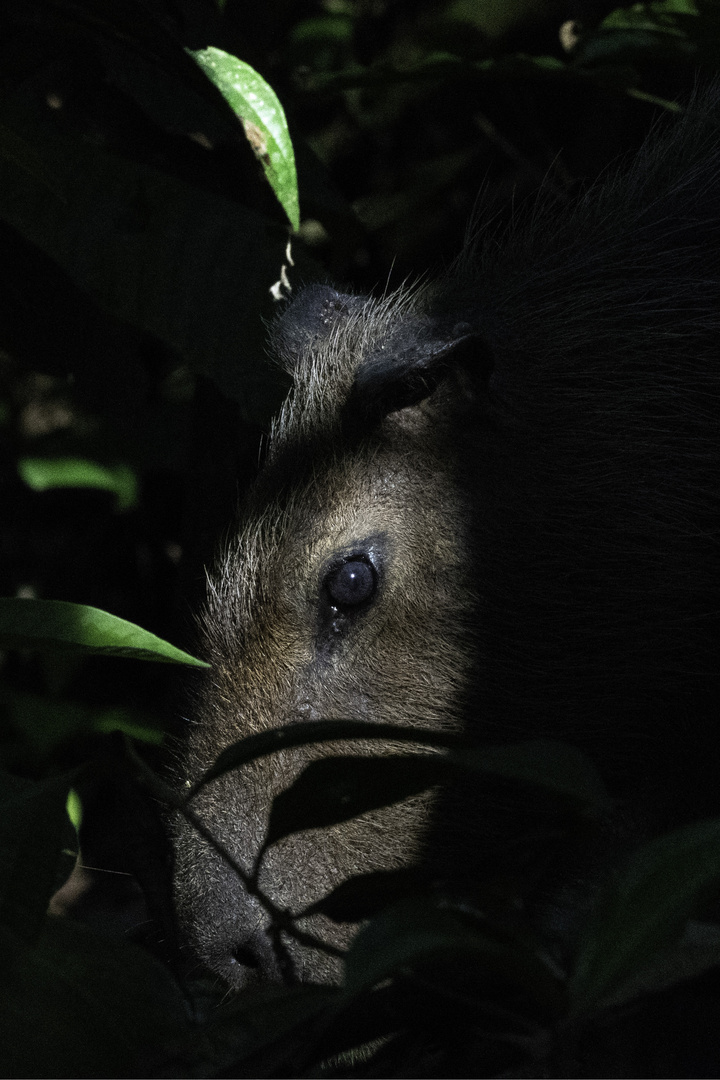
(529, 453)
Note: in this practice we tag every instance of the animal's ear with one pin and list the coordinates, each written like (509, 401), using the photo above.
(408, 370)
(308, 320)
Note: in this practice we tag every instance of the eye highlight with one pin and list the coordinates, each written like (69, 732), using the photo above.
(351, 584)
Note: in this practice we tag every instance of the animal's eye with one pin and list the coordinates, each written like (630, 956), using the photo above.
(352, 583)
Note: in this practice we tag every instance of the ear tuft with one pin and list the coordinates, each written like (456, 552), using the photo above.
(403, 373)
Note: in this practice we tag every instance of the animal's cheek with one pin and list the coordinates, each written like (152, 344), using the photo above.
(227, 921)
(299, 870)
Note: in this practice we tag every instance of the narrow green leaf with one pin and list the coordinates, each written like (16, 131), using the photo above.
(43, 474)
(59, 625)
(74, 809)
(645, 911)
(263, 118)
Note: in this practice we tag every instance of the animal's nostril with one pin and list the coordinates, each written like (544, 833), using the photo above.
(244, 955)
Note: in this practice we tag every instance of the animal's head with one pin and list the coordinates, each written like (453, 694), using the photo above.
(348, 593)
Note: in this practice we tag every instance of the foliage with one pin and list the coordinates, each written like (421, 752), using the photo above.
(56, 624)
(263, 121)
(463, 980)
(148, 194)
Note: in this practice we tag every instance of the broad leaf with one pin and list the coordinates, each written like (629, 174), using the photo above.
(59, 625)
(263, 118)
(645, 912)
(697, 952)
(416, 936)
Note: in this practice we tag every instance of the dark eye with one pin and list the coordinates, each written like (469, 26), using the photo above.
(352, 583)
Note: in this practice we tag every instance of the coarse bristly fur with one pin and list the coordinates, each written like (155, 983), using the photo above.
(527, 456)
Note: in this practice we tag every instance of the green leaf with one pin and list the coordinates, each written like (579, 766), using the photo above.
(59, 625)
(657, 15)
(645, 911)
(697, 952)
(74, 809)
(184, 264)
(79, 1003)
(34, 829)
(493, 18)
(417, 936)
(446, 67)
(555, 766)
(680, 30)
(323, 28)
(43, 474)
(44, 721)
(263, 118)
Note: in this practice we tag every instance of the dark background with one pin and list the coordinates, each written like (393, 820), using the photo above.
(139, 240)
